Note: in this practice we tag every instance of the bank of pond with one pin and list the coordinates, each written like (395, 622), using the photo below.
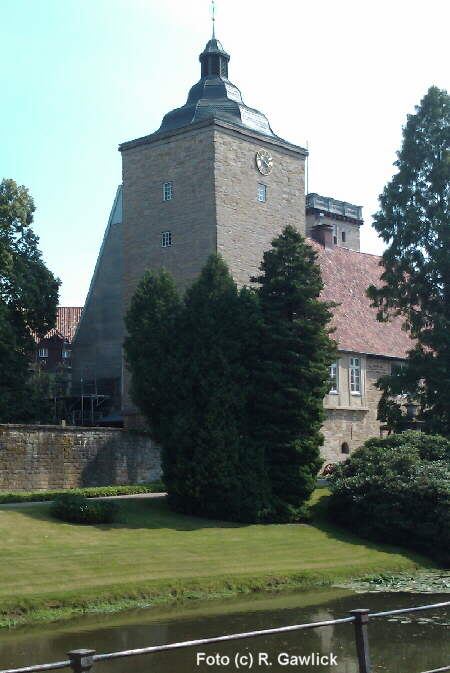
(413, 642)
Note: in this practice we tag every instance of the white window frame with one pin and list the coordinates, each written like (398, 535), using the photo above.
(66, 353)
(166, 239)
(167, 190)
(355, 372)
(334, 376)
(43, 352)
(262, 192)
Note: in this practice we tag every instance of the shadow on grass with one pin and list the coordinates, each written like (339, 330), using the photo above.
(321, 522)
(142, 513)
(154, 513)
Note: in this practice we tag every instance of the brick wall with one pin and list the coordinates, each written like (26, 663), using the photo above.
(34, 457)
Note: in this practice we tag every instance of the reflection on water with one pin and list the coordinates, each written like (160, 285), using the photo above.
(411, 644)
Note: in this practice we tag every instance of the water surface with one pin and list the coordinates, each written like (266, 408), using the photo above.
(410, 644)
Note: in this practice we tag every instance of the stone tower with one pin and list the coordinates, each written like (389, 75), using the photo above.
(213, 178)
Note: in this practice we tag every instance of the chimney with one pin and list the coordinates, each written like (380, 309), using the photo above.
(323, 234)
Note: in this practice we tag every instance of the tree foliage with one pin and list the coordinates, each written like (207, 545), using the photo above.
(293, 372)
(232, 381)
(190, 377)
(414, 220)
(397, 489)
(28, 302)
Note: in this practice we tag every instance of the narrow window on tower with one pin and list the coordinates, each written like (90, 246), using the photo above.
(166, 239)
(335, 234)
(343, 236)
(355, 376)
(167, 191)
(334, 378)
(262, 192)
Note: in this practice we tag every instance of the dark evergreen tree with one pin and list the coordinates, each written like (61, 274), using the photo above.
(209, 446)
(190, 366)
(28, 303)
(414, 220)
(293, 374)
(152, 351)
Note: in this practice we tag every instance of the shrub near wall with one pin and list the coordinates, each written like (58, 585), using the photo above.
(397, 490)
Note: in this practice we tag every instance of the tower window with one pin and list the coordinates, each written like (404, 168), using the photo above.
(334, 234)
(166, 239)
(334, 378)
(343, 236)
(345, 448)
(167, 191)
(355, 376)
(262, 192)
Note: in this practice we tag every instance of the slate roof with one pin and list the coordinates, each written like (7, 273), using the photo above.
(215, 97)
(346, 275)
(67, 319)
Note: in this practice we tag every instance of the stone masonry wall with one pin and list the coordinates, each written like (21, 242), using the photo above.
(34, 457)
(357, 422)
(246, 226)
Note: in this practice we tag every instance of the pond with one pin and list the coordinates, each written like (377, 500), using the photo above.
(404, 644)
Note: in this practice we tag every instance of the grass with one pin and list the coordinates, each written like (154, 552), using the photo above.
(52, 569)
(91, 492)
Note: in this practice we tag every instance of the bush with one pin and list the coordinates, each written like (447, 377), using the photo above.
(77, 509)
(430, 447)
(90, 492)
(397, 490)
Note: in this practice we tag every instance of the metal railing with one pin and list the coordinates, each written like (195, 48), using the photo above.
(82, 661)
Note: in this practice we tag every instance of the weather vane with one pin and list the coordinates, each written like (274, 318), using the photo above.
(213, 12)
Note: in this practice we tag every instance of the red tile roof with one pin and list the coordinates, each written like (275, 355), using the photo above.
(346, 275)
(67, 319)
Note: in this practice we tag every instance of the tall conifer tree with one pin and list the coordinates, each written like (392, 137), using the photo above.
(293, 375)
(414, 220)
(191, 366)
(210, 447)
(151, 350)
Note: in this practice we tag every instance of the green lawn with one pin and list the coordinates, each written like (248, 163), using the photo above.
(47, 564)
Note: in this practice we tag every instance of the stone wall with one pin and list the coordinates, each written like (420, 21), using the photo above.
(34, 457)
(246, 226)
(349, 418)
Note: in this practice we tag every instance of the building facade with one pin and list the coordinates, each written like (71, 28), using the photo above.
(215, 178)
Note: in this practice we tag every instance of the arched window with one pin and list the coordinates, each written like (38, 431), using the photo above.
(345, 448)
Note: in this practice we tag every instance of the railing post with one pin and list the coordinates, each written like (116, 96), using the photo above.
(361, 624)
(81, 661)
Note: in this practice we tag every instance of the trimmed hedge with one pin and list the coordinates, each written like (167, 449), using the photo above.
(78, 509)
(397, 490)
(93, 492)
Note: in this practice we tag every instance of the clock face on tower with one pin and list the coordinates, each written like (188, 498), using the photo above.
(264, 162)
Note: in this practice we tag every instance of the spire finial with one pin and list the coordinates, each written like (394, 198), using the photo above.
(213, 16)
